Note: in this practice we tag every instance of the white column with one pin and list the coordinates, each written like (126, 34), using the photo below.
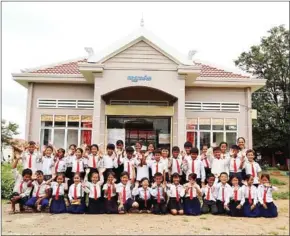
(97, 112)
(181, 113)
(249, 118)
(28, 112)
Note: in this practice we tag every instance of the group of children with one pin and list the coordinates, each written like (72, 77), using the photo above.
(132, 180)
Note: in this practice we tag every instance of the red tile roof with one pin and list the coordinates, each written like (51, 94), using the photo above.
(72, 68)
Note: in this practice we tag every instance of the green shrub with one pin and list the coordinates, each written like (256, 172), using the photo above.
(277, 182)
(7, 180)
(281, 195)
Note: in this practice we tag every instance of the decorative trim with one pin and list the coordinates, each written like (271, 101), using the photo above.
(123, 110)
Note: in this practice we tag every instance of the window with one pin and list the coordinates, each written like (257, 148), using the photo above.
(211, 131)
(63, 130)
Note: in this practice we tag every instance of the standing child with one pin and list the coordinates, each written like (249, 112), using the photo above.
(79, 164)
(235, 164)
(209, 196)
(158, 194)
(93, 159)
(60, 163)
(223, 191)
(267, 207)
(120, 153)
(191, 201)
(69, 160)
(93, 188)
(250, 198)
(235, 198)
(225, 155)
(22, 186)
(130, 163)
(47, 163)
(164, 159)
(142, 168)
(149, 155)
(143, 196)
(76, 196)
(111, 206)
(126, 202)
(39, 194)
(156, 165)
(175, 162)
(205, 160)
(218, 164)
(29, 157)
(251, 167)
(57, 204)
(109, 160)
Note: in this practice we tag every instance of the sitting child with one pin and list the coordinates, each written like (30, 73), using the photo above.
(110, 195)
(158, 194)
(143, 196)
(209, 196)
(235, 198)
(223, 191)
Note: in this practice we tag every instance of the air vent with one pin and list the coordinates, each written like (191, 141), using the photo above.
(138, 103)
(65, 103)
(212, 106)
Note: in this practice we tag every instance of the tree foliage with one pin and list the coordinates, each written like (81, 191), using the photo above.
(8, 130)
(270, 60)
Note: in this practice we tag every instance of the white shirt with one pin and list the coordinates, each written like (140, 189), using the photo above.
(238, 163)
(82, 163)
(129, 165)
(257, 169)
(245, 190)
(165, 162)
(174, 167)
(239, 192)
(25, 156)
(171, 190)
(20, 186)
(212, 192)
(142, 172)
(69, 160)
(205, 161)
(91, 159)
(113, 191)
(47, 165)
(120, 188)
(226, 189)
(60, 166)
(54, 186)
(141, 192)
(154, 192)
(80, 191)
(90, 188)
(191, 188)
(110, 162)
(268, 190)
(198, 169)
(41, 187)
(154, 164)
(218, 165)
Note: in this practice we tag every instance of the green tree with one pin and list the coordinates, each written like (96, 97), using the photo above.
(8, 130)
(270, 60)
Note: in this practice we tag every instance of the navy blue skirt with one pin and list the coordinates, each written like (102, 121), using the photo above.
(111, 207)
(247, 210)
(173, 204)
(233, 209)
(57, 206)
(77, 209)
(192, 206)
(270, 212)
(95, 206)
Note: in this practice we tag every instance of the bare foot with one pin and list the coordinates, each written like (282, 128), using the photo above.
(38, 208)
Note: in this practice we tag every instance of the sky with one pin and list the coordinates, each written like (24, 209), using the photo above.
(36, 34)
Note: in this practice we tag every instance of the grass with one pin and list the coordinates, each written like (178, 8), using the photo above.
(281, 195)
(273, 233)
(277, 182)
(206, 228)
(282, 228)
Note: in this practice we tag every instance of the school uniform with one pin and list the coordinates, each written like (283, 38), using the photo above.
(21, 188)
(60, 166)
(129, 165)
(47, 166)
(195, 166)
(79, 166)
(110, 164)
(175, 194)
(235, 170)
(248, 199)
(165, 161)
(226, 156)
(119, 170)
(253, 168)
(158, 199)
(68, 172)
(265, 197)
(185, 159)
(218, 165)
(76, 192)
(209, 200)
(207, 165)
(191, 201)
(95, 205)
(156, 166)
(149, 158)
(176, 166)
(57, 204)
(143, 197)
(111, 206)
(142, 171)
(93, 162)
(29, 160)
(235, 200)
(222, 197)
(241, 154)
(39, 191)
(125, 195)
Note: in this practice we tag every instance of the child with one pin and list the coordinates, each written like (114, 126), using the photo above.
(186, 153)
(175, 193)
(250, 199)
(79, 164)
(30, 156)
(120, 153)
(22, 186)
(93, 159)
(235, 198)
(156, 165)
(205, 160)
(158, 193)
(164, 159)
(192, 191)
(209, 196)
(224, 154)
(124, 188)
(109, 160)
(58, 204)
(149, 155)
(94, 190)
(109, 188)
(218, 165)
(142, 168)
(130, 163)
(47, 162)
(144, 196)
(252, 167)
(223, 191)
(69, 160)
(76, 196)
(196, 166)
(60, 163)
(235, 164)
(175, 162)
(39, 194)
(267, 207)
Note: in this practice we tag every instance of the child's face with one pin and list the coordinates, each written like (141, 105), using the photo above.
(95, 178)
(39, 178)
(48, 152)
(88, 150)
(78, 154)
(158, 180)
(241, 143)
(129, 155)
(224, 179)
(210, 181)
(235, 182)
(72, 149)
(191, 180)
(138, 147)
(124, 179)
(145, 184)
(59, 179)
(164, 154)
(31, 148)
(264, 180)
(250, 181)
(204, 149)
(223, 148)
(110, 152)
(175, 154)
(120, 146)
(110, 178)
(60, 154)
(26, 178)
(187, 150)
(217, 154)
(94, 150)
(235, 152)
(176, 180)
(193, 156)
(150, 148)
(250, 156)
(157, 156)
(77, 179)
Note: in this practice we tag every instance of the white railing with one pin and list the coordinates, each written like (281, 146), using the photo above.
(137, 102)
(65, 103)
(212, 106)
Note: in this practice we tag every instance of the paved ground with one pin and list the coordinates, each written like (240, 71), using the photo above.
(142, 224)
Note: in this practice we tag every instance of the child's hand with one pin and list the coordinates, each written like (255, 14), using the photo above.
(239, 206)
(88, 170)
(226, 208)
(18, 157)
(253, 207)
(265, 206)
(53, 176)
(267, 185)
(33, 177)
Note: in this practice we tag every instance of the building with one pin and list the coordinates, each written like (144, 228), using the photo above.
(138, 89)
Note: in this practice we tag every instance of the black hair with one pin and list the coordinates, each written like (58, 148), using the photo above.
(210, 175)
(60, 174)
(124, 173)
(129, 149)
(80, 149)
(96, 146)
(158, 174)
(142, 151)
(223, 173)
(233, 177)
(216, 149)
(175, 175)
(194, 150)
(61, 150)
(111, 173)
(151, 144)
(250, 151)
(39, 172)
(119, 142)
(192, 176)
(235, 147)
(247, 177)
(175, 149)
(266, 176)
(241, 138)
(94, 172)
(72, 145)
(139, 143)
(223, 143)
(88, 147)
(31, 143)
(157, 151)
(49, 147)
(26, 172)
(144, 179)
(204, 145)
(110, 146)
(187, 145)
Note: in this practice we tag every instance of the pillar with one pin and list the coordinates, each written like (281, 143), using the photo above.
(97, 112)
(249, 118)
(181, 113)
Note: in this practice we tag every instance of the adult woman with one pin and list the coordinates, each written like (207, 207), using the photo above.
(242, 153)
